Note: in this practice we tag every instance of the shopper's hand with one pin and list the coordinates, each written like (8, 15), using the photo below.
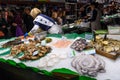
(14, 24)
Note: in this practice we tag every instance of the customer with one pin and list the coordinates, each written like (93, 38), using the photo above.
(43, 22)
(55, 16)
(3, 26)
(27, 19)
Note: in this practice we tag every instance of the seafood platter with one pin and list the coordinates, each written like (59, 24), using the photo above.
(107, 47)
(28, 49)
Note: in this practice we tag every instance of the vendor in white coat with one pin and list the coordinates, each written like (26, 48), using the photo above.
(43, 22)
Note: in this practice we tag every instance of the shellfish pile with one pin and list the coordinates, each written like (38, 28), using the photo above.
(88, 64)
(31, 51)
(79, 44)
(108, 46)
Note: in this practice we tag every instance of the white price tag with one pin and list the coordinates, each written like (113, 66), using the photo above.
(88, 36)
(43, 43)
(90, 51)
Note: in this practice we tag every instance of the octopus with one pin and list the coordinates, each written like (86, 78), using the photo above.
(88, 64)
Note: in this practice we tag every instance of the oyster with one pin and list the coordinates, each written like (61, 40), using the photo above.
(108, 46)
(31, 51)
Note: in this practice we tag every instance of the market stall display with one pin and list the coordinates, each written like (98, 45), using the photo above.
(59, 58)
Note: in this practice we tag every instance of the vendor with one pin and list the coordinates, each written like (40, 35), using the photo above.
(43, 22)
(94, 17)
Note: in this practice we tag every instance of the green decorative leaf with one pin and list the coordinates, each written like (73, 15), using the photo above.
(2, 40)
(46, 72)
(2, 60)
(65, 71)
(82, 35)
(6, 53)
(11, 62)
(54, 35)
(86, 78)
(101, 31)
(19, 55)
(71, 36)
(21, 65)
(33, 69)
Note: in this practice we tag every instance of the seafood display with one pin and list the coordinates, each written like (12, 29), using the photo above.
(31, 51)
(88, 64)
(108, 45)
(79, 44)
(12, 43)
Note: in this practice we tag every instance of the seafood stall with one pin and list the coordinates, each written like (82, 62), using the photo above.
(79, 26)
(69, 56)
(110, 20)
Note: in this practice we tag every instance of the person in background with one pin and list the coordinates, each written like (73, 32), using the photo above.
(106, 11)
(112, 9)
(27, 19)
(55, 16)
(64, 17)
(60, 20)
(94, 16)
(3, 25)
(19, 23)
(43, 22)
(58, 16)
(11, 22)
(84, 10)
